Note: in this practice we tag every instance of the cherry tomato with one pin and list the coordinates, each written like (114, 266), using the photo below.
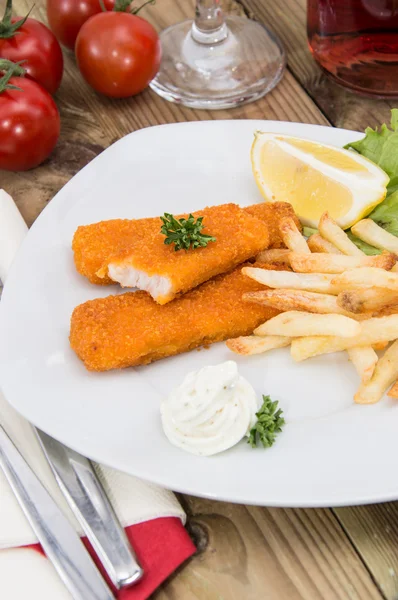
(118, 53)
(29, 125)
(66, 17)
(38, 47)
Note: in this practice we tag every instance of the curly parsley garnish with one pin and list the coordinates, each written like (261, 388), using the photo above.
(184, 233)
(269, 424)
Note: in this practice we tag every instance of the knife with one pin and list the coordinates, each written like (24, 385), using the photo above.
(86, 497)
(58, 538)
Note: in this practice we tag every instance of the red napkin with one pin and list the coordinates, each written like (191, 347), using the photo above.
(161, 546)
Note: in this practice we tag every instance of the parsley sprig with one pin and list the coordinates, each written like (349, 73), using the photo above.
(184, 233)
(269, 424)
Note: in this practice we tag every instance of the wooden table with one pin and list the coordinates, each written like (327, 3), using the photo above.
(243, 552)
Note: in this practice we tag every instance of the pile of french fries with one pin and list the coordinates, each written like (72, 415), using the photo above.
(332, 297)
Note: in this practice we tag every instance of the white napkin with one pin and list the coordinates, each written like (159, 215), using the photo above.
(13, 229)
(134, 500)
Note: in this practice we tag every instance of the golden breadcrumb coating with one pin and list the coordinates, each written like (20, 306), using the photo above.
(239, 236)
(272, 213)
(131, 329)
(93, 245)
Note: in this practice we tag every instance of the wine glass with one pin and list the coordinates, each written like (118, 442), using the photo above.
(216, 62)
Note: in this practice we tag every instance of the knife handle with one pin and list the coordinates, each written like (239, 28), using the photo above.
(58, 538)
(83, 490)
(103, 528)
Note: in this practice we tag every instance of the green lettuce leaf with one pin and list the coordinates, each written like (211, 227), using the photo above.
(386, 214)
(381, 147)
(308, 231)
(369, 250)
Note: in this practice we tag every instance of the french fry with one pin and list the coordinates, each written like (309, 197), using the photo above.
(253, 344)
(385, 373)
(350, 301)
(279, 256)
(367, 300)
(368, 231)
(335, 263)
(388, 310)
(380, 346)
(329, 291)
(302, 300)
(364, 359)
(373, 331)
(313, 282)
(371, 233)
(367, 276)
(291, 236)
(332, 232)
(393, 393)
(317, 243)
(296, 324)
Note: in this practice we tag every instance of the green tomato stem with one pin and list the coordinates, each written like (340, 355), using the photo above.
(10, 69)
(121, 5)
(135, 11)
(7, 14)
(8, 29)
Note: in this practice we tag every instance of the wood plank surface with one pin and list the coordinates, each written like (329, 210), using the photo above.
(247, 553)
(373, 530)
(243, 552)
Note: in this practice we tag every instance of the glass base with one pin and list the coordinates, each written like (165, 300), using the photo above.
(243, 67)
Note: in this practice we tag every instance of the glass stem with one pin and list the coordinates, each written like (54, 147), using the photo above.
(209, 25)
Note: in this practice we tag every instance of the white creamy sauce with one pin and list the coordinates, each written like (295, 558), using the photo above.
(212, 410)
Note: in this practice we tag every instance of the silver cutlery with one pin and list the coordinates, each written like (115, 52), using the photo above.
(57, 536)
(86, 497)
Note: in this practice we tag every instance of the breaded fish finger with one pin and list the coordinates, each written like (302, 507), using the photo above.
(164, 273)
(131, 329)
(93, 245)
(272, 213)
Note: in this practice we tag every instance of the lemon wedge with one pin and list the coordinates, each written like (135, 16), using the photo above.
(316, 177)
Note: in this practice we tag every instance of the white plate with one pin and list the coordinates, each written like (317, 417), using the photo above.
(330, 453)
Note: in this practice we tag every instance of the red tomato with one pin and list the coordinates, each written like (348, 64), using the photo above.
(37, 45)
(66, 17)
(118, 53)
(29, 125)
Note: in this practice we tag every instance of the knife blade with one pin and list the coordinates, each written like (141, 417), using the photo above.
(86, 497)
(58, 538)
